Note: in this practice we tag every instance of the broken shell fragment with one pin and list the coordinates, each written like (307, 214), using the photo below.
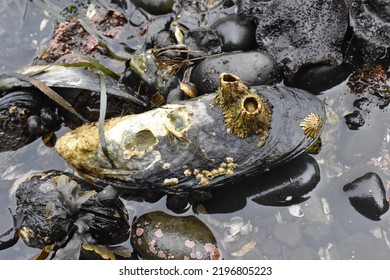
(200, 143)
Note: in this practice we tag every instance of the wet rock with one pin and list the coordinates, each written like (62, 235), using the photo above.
(363, 246)
(157, 235)
(316, 232)
(203, 42)
(155, 7)
(371, 20)
(271, 247)
(354, 120)
(302, 32)
(288, 234)
(318, 78)
(237, 33)
(313, 211)
(255, 68)
(304, 253)
(299, 178)
(368, 196)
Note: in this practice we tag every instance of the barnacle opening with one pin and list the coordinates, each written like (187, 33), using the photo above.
(251, 105)
(227, 77)
(245, 111)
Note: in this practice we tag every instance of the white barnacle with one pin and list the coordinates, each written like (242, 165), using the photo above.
(166, 166)
(171, 181)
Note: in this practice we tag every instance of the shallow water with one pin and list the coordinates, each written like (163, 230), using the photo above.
(325, 226)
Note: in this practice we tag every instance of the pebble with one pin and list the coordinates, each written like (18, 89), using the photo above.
(288, 234)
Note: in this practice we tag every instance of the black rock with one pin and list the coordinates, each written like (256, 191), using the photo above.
(254, 68)
(301, 32)
(354, 120)
(155, 7)
(203, 42)
(237, 33)
(318, 78)
(371, 20)
(368, 196)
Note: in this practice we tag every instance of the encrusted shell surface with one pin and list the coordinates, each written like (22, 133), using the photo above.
(158, 236)
(192, 145)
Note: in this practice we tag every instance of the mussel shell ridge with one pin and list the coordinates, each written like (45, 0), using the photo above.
(188, 146)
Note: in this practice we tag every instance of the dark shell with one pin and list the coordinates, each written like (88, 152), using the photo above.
(302, 32)
(193, 146)
(237, 33)
(368, 196)
(53, 202)
(66, 78)
(157, 235)
(15, 109)
(254, 68)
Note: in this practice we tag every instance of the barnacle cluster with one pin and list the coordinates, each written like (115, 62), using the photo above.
(203, 177)
(245, 112)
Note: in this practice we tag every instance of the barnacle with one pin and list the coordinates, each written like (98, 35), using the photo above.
(245, 112)
(312, 125)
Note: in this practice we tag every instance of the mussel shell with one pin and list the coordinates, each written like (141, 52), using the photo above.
(166, 149)
(62, 77)
(15, 109)
(34, 194)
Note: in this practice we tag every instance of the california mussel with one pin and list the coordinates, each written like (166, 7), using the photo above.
(183, 147)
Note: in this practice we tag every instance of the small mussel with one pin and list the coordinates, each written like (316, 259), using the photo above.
(150, 77)
(24, 116)
(38, 99)
(52, 206)
(204, 142)
(158, 236)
